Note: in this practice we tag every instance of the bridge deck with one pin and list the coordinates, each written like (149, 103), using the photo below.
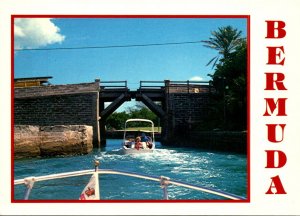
(154, 90)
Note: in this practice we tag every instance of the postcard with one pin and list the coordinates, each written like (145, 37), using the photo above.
(176, 108)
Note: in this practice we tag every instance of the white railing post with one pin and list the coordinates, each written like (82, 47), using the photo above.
(164, 182)
(29, 182)
(96, 163)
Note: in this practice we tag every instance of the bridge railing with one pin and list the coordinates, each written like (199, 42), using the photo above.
(113, 84)
(178, 86)
(170, 86)
(188, 87)
(152, 84)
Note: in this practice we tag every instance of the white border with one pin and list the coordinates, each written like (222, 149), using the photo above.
(259, 11)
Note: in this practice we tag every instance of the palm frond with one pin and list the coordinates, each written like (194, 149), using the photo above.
(210, 61)
(225, 40)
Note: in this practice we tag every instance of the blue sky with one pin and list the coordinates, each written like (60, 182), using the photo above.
(173, 62)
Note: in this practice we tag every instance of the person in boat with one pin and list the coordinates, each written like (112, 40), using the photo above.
(138, 143)
(149, 145)
(130, 141)
(146, 140)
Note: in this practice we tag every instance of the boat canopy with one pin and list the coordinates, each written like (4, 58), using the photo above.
(139, 120)
(138, 130)
(143, 120)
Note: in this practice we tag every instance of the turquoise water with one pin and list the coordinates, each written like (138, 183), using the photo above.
(216, 170)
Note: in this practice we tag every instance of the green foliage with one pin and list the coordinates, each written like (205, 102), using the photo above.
(117, 119)
(225, 40)
(230, 81)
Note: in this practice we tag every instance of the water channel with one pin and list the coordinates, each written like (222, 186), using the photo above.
(216, 170)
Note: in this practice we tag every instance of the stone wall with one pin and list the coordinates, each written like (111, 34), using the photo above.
(44, 141)
(185, 111)
(188, 108)
(75, 104)
(50, 90)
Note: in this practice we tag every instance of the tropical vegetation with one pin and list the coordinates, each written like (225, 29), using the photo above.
(116, 120)
(228, 108)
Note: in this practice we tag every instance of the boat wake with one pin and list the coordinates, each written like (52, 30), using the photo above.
(161, 162)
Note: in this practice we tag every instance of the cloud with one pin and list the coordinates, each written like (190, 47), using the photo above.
(36, 32)
(196, 78)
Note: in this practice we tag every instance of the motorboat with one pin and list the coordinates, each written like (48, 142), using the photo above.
(136, 139)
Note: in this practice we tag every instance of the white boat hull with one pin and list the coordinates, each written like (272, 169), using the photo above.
(132, 150)
(136, 151)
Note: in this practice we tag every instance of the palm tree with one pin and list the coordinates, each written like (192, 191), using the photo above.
(225, 40)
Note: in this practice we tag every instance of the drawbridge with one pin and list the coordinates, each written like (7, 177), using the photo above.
(154, 94)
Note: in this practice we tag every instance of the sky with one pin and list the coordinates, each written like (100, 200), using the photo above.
(148, 63)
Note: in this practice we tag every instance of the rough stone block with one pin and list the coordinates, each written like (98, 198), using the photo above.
(33, 141)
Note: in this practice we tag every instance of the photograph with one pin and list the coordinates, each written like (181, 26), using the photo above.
(149, 107)
(130, 108)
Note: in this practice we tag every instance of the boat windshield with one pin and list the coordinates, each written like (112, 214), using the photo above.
(131, 135)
